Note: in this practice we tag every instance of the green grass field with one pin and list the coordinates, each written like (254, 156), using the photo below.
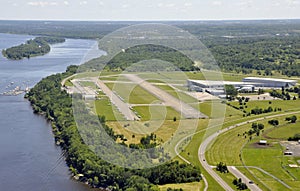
(177, 94)
(216, 109)
(132, 93)
(114, 78)
(164, 130)
(104, 107)
(284, 131)
(228, 178)
(194, 186)
(270, 159)
(156, 112)
(285, 105)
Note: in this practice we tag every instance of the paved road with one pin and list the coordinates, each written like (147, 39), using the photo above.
(246, 180)
(206, 166)
(186, 110)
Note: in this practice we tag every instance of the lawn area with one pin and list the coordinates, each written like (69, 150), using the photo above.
(177, 94)
(285, 130)
(164, 130)
(216, 109)
(114, 78)
(269, 159)
(226, 147)
(87, 74)
(265, 181)
(104, 107)
(132, 93)
(191, 149)
(252, 176)
(88, 84)
(228, 178)
(165, 77)
(285, 105)
(194, 186)
(212, 75)
(156, 112)
(108, 73)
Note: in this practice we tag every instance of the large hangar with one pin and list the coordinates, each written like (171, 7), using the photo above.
(271, 82)
(248, 84)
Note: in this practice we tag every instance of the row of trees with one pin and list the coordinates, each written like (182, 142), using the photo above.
(47, 98)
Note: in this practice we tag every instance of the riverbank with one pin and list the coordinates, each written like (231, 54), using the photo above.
(27, 140)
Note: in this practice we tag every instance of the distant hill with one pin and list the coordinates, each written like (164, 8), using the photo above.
(140, 53)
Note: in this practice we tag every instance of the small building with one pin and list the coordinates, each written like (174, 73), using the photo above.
(262, 142)
(90, 97)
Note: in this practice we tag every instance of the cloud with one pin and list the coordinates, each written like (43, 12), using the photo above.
(42, 3)
(217, 3)
(83, 3)
(125, 6)
(293, 2)
(101, 3)
(170, 5)
(188, 4)
(245, 3)
(167, 5)
(66, 2)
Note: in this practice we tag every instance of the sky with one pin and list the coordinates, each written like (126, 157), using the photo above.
(151, 10)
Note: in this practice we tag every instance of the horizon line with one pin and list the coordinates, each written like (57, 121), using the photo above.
(154, 20)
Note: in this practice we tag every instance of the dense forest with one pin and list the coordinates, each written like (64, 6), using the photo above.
(148, 52)
(47, 98)
(34, 47)
(266, 55)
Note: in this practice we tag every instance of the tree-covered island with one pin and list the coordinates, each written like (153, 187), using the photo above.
(33, 47)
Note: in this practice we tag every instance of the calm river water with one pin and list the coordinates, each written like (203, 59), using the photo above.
(29, 158)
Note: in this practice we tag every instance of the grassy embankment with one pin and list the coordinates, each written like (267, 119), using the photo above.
(229, 145)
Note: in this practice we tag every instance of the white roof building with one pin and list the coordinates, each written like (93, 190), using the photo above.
(271, 82)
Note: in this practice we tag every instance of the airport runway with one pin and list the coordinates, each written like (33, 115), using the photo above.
(186, 110)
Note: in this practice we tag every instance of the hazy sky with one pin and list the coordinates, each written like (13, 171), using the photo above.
(148, 9)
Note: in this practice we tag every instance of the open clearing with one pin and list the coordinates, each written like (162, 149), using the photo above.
(284, 131)
(157, 112)
(195, 186)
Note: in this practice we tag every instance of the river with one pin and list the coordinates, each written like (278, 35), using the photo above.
(29, 158)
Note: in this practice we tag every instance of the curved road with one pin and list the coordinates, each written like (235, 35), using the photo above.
(208, 140)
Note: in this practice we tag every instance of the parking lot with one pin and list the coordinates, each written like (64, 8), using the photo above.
(292, 146)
